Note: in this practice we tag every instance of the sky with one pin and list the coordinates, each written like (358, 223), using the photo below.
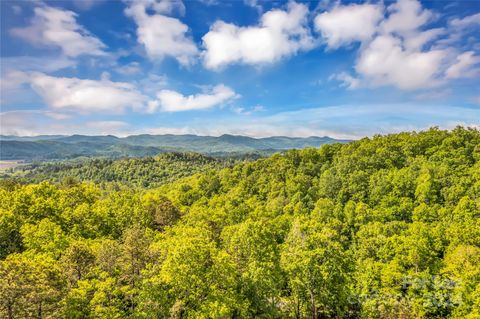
(259, 68)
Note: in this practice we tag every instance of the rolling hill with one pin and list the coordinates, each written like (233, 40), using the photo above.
(65, 147)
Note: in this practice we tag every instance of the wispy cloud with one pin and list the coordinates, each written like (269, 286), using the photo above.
(59, 28)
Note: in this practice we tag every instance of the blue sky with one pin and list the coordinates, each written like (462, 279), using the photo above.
(343, 69)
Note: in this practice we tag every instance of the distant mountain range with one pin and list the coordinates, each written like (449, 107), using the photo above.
(49, 147)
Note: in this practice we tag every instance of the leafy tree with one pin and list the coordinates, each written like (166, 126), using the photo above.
(382, 227)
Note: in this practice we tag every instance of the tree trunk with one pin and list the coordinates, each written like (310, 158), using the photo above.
(10, 311)
(312, 302)
(40, 311)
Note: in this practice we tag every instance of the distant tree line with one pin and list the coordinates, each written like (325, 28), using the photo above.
(143, 172)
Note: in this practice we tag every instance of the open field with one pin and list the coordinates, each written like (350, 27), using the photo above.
(4, 165)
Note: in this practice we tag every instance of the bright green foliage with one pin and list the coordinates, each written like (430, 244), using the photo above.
(146, 172)
(387, 227)
(317, 269)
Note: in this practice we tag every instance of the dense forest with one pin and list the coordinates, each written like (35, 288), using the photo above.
(146, 172)
(59, 147)
(383, 227)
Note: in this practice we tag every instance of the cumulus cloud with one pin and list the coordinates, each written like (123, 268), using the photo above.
(344, 24)
(385, 62)
(161, 35)
(58, 28)
(13, 80)
(15, 70)
(405, 16)
(279, 34)
(396, 46)
(172, 101)
(73, 94)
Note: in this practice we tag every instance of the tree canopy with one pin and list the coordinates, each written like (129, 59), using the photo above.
(383, 227)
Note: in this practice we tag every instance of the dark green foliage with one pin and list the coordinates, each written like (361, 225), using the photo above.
(65, 147)
(387, 227)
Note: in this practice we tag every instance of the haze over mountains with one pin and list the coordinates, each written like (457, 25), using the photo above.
(46, 147)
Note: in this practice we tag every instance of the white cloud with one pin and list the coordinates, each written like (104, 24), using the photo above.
(59, 28)
(468, 21)
(396, 46)
(152, 83)
(405, 16)
(129, 69)
(162, 35)
(347, 80)
(13, 79)
(254, 4)
(39, 122)
(464, 67)
(248, 111)
(395, 56)
(40, 64)
(416, 41)
(86, 96)
(345, 24)
(172, 101)
(280, 33)
(11, 123)
(385, 62)
(28, 122)
(15, 74)
(15, 70)
(460, 29)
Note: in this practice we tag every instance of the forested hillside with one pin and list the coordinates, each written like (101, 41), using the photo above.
(387, 227)
(46, 147)
(146, 172)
